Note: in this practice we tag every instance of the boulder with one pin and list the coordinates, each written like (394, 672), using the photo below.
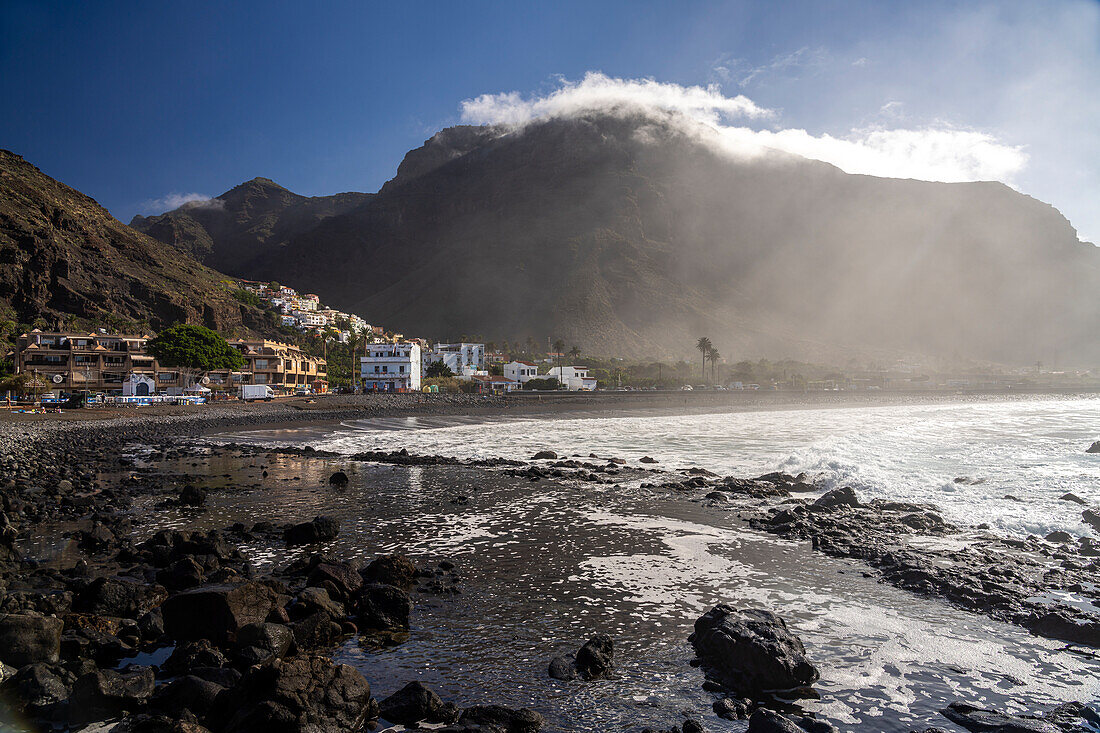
(752, 650)
(259, 643)
(119, 597)
(188, 692)
(1070, 496)
(320, 529)
(843, 497)
(312, 599)
(498, 717)
(106, 692)
(190, 655)
(26, 639)
(342, 576)
(145, 723)
(338, 478)
(1059, 537)
(39, 690)
(592, 662)
(216, 612)
(305, 693)
(316, 631)
(411, 704)
(1094, 448)
(393, 569)
(544, 455)
(1092, 518)
(384, 608)
(192, 496)
(647, 459)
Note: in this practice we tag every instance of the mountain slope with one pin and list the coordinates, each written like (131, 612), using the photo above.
(61, 254)
(633, 233)
(243, 223)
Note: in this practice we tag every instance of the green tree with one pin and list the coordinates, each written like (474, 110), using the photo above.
(574, 352)
(438, 369)
(704, 346)
(193, 350)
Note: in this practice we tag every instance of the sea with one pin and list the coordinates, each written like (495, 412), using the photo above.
(544, 565)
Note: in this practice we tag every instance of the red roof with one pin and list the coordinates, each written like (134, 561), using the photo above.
(493, 378)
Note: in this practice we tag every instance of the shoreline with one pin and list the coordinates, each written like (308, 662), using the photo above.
(85, 483)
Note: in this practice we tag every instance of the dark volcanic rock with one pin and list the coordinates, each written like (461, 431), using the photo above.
(120, 597)
(498, 717)
(259, 643)
(752, 650)
(39, 689)
(769, 721)
(394, 569)
(305, 693)
(1094, 448)
(411, 704)
(544, 455)
(216, 612)
(1092, 518)
(384, 608)
(592, 662)
(192, 496)
(978, 720)
(321, 529)
(843, 497)
(338, 478)
(188, 692)
(105, 692)
(26, 639)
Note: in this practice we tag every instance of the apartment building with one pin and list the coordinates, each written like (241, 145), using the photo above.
(88, 361)
(102, 362)
(391, 367)
(463, 359)
(278, 365)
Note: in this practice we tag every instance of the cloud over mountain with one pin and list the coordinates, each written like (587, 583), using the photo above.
(933, 153)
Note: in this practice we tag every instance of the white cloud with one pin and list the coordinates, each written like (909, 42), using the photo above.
(176, 200)
(598, 91)
(937, 153)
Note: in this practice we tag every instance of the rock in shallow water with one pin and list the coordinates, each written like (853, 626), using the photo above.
(320, 529)
(594, 661)
(752, 650)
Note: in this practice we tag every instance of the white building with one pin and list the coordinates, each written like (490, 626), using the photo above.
(311, 319)
(573, 378)
(464, 359)
(390, 367)
(521, 371)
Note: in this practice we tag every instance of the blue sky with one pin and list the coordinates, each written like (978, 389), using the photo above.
(134, 103)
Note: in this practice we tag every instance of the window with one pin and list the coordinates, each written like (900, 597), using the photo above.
(167, 377)
(261, 364)
(376, 368)
(385, 369)
(259, 379)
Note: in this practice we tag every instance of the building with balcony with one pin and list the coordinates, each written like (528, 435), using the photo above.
(278, 365)
(103, 362)
(464, 359)
(391, 367)
(99, 362)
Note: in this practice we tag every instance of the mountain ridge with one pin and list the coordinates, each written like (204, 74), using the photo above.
(62, 255)
(630, 234)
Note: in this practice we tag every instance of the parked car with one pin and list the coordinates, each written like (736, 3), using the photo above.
(687, 388)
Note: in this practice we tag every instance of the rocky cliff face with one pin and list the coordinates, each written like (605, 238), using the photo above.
(62, 254)
(632, 234)
(245, 223)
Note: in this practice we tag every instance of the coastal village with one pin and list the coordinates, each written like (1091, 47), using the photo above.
(106, 365)
(119, 367)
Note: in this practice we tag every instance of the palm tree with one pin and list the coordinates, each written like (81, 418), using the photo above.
(714, 356)
(704, 346)
(559, 348)
(574, 352)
